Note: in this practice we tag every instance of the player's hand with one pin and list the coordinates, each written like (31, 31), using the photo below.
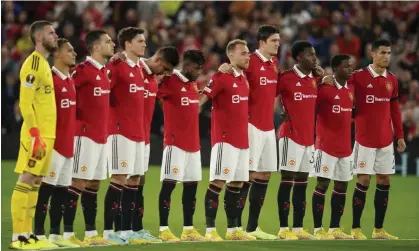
(318, 71)
(401, 145)
(328, 80)
(285, 116)
(119, 55)
(226, 68)
(38, 145)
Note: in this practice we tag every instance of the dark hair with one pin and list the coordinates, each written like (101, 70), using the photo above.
(298, 47)
(37, 26)
(194, 56)
(127, 35)
(380, 42)
(265, 31)
(338, 59)
(61, 41)
(93, 37)
(169, 54)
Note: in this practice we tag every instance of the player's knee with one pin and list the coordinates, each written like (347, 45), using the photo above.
(119, 179)
(287, 175)
(259, 175)
(323, 183)
(301, 176)
(364, 179)
(235, 184)
(133, 180)
(341, 186)
(94, 184)
(79, 184)
(218, 183)
(383, 179)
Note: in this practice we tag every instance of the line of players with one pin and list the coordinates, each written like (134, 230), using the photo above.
(110, 110)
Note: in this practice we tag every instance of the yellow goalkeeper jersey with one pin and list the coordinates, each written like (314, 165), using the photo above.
(37, 97)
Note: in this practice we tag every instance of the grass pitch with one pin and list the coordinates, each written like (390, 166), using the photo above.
(402, 217)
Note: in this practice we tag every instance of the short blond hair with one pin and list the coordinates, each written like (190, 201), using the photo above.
(233, 43)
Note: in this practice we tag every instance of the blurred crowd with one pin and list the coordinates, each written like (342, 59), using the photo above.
(332, 27)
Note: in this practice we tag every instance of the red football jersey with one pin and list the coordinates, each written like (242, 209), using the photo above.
(127, 100)
(229, 116)
(150, 93)
(263, 77)
(298, 94)
(181, 112)
(377, 108)
(65, 98)
(334, 114)
(92, 91)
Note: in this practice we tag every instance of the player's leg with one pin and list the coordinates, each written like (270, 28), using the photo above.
(171, 169)
(45, 192)
(217, 181)
(384, 166)
(260, 178)
(299, 192)
(20, 197)
(288, 153)
(342, 174)
(191, 176)
(364, 158)
(121, 161)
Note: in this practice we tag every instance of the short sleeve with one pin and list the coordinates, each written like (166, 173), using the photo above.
(113, 74)
(213, 87)
(78, 76)
(395, 93)
(281, 85)
(164, 88)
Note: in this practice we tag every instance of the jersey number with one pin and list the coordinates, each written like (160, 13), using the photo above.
(312, 158)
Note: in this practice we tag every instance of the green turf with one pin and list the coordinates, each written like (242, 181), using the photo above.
(402, 217)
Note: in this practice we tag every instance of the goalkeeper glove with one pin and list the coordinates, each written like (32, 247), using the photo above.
(38, 145)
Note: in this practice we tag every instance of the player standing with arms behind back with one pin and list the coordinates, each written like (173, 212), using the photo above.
(181, 155)
(229, 139)
(55, 184)
(126, 139)
(37, 105)
(377, 116)
(90, 156)
(263, 77)
(333, 147)
(298, 91)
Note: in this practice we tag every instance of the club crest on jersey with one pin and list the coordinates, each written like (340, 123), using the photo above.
(292, 162)
(362, 164)
(124, 163)
(52, 174)
(83, 169)
(325, 169)
(175, 170)
(313, 82)
(226, 170)
(31, 163)
(250, 161)
(389, 86)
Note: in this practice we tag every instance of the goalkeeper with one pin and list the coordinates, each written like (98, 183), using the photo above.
(37, 105)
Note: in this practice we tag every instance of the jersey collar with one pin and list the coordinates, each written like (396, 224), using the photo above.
(181, 76)
(130, 62)
(237, 73)
(338, 85)
(263, 58)
(147, 69)
(375, 74)
(300, 74)
(95, 63)
(59, 73)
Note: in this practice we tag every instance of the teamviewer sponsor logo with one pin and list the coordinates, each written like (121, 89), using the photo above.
(135, 88)
(184, 101)
(336, 109)
(370, 99)
(263, 81)
(65, 103)
(235, 99)
(97, 91)
(298, 96)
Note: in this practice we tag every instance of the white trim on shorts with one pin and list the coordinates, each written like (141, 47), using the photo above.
(229, 163)
(60, 173)
(180, 165)
(262, 150)
(295, 157)
(330, 167)
(146, 157)
(373, 160)
(126, 156)
(90, 159)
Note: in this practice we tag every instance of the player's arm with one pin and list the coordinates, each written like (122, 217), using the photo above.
(113, 68)
(210, 91)
(78, 76)
(29, 83)
(281, 88)
(396, 118)
(164, 91)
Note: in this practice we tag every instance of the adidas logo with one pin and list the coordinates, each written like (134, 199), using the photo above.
(98, 78)
(369, 86)
(146, 81)
(337, 97)
(183, 89)
(64, 89)
(131, 75)
(298, 84)
(234, 85)
(262, 68)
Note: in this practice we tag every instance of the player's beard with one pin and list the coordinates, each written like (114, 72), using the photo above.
(49, 47)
